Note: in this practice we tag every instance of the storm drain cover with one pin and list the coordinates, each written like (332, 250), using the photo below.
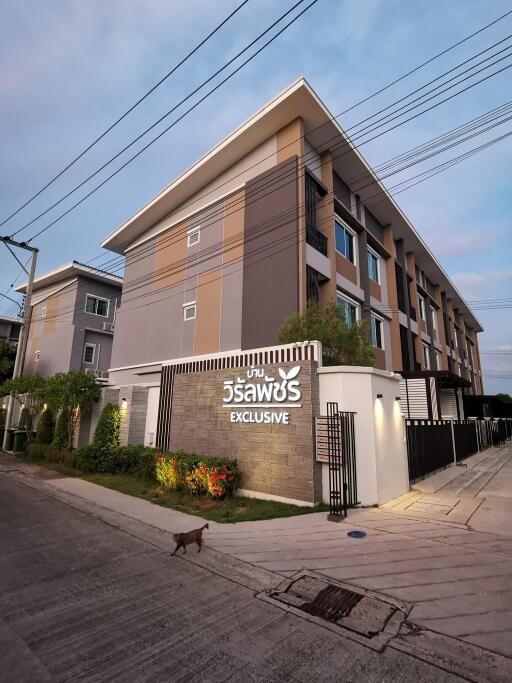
(369, 618)
(332, 603)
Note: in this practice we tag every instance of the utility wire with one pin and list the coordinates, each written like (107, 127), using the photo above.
(170, 111)
(128, 111)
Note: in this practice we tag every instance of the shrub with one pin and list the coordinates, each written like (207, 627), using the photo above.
(43, 451)
(45, 427)
(215, 477)
(138, 460)
(22, 419)
(106, 434)
(60, 438)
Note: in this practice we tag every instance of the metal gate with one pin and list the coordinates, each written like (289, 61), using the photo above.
(342, 461)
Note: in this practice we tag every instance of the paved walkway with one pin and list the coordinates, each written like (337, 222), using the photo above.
(419, 548)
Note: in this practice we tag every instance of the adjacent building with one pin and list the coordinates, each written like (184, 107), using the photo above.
(10, 329)
(72, 322)
(282, 211)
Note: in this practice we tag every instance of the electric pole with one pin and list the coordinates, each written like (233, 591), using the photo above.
(25, 323)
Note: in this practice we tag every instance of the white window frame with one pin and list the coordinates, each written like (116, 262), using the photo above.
(37, 356)
(44, 311)
(192, 234)
(433, 315)
(190, 305)
(426, 356)
(421, 304)
(437, 356)
(354, 237)
(374, 316)
(350, 301)
(377, 257)
(98, 298)
(93, 347)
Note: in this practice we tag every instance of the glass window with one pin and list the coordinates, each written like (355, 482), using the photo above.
(373, 266)
(376, 332)
(433, 314)
(96, 305)
(421, 307)
(193, 236)
(344, 241)
(89, 353)
(437, 357)
(426, 356)
(348, 309)
(189, 311)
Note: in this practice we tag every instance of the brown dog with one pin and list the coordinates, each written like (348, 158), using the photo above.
(186, 538)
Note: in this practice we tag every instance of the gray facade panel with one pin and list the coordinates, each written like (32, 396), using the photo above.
(231, 307)
(270, 278)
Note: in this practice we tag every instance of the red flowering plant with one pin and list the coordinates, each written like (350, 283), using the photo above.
(214, 477)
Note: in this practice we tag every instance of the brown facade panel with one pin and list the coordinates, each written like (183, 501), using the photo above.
(375, 290)
(380, 359)
(170, 257)
(207, 327)
(394, 325)
(270, 273)
(345, 268)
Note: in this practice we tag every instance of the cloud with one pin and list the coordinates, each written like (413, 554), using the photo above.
(485, 282)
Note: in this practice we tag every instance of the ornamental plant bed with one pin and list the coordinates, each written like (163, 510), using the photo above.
(226, 510)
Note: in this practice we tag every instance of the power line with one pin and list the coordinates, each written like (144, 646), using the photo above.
(128, 111)
(182, 101)
(174, 123)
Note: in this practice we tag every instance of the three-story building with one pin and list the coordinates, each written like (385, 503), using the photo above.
(282, 211)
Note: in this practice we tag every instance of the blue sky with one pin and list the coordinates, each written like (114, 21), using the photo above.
(69, 69)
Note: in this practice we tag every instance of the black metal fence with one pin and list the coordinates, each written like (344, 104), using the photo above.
(429, 446)
(434, 444)
(341, 451)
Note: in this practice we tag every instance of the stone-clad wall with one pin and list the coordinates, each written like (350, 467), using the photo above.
(275, 459)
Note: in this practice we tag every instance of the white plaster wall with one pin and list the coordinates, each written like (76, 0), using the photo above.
(381, 454)
(151, 416)
(390, 444)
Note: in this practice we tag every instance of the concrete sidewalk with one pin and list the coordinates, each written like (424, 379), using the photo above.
(458, 579)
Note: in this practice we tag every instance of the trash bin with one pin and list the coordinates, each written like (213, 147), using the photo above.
(10, 440)
(20, 440)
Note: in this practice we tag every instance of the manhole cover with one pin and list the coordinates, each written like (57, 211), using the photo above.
(368, 617)
(356, 534)
(332, 603)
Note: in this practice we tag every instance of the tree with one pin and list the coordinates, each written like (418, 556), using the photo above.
(505, 397)
(60, 436)
(7, 358)
(29, 392)
(342, 344)
(45, 427)
(73, 391)
(106, 434)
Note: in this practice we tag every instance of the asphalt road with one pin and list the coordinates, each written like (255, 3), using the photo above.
(82, 600)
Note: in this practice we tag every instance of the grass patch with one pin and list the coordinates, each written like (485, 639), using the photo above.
(230, 510)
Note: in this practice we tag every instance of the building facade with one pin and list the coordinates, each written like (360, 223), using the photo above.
(283, 211)
(72, 321)
(10, 330)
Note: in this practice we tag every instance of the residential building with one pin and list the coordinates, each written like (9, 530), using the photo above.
(282, 211)
(72, 321)
(10, 329)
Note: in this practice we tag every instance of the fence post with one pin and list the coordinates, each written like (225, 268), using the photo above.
(453, 443)
(477, 437)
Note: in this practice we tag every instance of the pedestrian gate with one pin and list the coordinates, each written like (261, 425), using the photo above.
(341, 460)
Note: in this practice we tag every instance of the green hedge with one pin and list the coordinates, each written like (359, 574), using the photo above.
(45, 427)
(61, 438)
(43, 451)
(199, 475)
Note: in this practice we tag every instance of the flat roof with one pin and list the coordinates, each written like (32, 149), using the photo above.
(10, 319)
(323, 132)
(71, 269)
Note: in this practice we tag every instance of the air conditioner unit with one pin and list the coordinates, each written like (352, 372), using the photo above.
(108, 327)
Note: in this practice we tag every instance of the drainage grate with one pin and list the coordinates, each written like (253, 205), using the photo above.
(359, 614)
(332, 603)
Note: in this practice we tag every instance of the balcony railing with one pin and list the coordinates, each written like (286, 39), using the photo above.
(316, 240)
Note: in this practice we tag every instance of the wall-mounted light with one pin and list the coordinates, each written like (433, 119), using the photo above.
(23, 406)
(397, 398)
(45, 407)
(379, 395)
(4, 406)
(123, 401)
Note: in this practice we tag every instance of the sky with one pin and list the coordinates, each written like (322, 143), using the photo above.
(70, 69)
